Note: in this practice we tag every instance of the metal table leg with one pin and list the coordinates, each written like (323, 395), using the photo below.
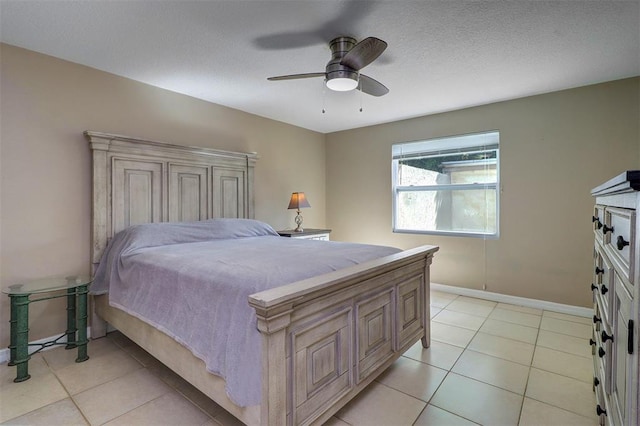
(82, 341)
(71, 319)
(20, 305)
(13, 333)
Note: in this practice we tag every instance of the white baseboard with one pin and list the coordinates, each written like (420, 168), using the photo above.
(515, 300)
(4, 353)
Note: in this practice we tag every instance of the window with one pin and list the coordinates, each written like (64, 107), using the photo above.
(447, 186)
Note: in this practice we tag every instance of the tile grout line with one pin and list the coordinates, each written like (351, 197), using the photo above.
(190, 400)
(120, 348)
(530, 366)
(139, 406)
(173, 388)
(526, 385)
(440, 408)
(71, 398)
(446, 375)
(449, 371)
(535, 346)
(73, 401)
(560, 408)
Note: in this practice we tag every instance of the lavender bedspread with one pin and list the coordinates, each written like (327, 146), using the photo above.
(192, 281)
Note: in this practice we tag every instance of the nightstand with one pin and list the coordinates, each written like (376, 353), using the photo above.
(307, 234)
(75, 290)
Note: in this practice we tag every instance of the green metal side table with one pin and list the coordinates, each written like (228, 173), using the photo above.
(77, 288)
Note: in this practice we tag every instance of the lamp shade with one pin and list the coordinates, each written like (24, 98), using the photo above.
(298, 201)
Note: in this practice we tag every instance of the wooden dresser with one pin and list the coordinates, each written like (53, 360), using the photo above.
(616, 296)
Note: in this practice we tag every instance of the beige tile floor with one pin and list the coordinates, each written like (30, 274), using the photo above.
(489, 364)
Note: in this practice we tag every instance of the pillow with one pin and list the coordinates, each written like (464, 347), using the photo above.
(166, 233)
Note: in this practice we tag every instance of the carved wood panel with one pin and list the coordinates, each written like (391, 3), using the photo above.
(137, 193)
(229, 193)
(374, 316)
(409, 306)
(322, 368)
(188, 193)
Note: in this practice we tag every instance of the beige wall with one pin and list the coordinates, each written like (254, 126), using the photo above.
(553, 149)
(46, 104)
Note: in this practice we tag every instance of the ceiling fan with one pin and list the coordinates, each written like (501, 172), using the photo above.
(342, 72)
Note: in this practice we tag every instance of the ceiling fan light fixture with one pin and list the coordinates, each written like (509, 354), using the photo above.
(342, 84)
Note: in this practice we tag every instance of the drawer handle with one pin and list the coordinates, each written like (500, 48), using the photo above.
(601, 352)
(596, 381)
(604, 289)
(596, 220)
(606, 229)
(630, 338)
(600, 411)
(593, 287)
(592, 342)
(606, 337)
(599, 271)
(596, 319)
(621, 243)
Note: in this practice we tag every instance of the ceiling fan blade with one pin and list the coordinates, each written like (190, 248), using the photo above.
(296, 76)
(363, 53)
(348, 16)
(290, 40)
(372, 87)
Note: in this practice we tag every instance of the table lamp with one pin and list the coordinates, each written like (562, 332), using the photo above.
(298, 201)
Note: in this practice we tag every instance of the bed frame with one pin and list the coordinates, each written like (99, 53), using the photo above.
(324, 339)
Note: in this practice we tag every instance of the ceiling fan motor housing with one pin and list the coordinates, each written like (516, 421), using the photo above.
(339, 47)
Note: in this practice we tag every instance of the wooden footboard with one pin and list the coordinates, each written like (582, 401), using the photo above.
(324, 339)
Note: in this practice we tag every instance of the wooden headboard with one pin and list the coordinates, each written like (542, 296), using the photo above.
(139, 181)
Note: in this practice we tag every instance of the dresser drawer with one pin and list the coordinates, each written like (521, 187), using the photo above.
(601, 409)
(619, 230)
(603, 281)
(598, 377)
(597, 320)
(321, 237)
(602, 358)
(598, 221)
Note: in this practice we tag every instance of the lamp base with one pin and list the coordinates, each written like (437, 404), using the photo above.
(298, 221)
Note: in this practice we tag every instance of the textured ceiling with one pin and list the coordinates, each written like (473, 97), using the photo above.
(442, 55)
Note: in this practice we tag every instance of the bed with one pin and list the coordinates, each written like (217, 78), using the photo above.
(322, 338)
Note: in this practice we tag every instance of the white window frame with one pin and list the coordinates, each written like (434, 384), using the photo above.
(484, 141)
